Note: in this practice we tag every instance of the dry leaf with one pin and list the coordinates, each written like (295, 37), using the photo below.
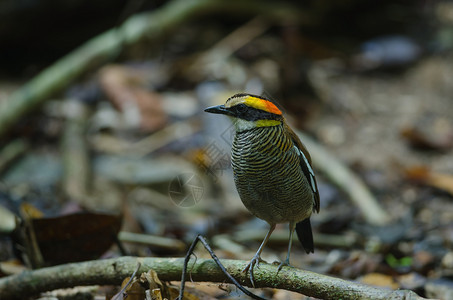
(422, 141)
(423, 175)
(68, 238)
(378, 279)
(126, 88)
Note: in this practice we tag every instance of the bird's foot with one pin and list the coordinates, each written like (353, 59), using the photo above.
(251, 265)
(284, 263)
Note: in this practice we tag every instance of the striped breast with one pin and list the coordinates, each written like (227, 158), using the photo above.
(268, 175)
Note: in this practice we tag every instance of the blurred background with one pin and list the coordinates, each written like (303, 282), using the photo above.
(105, 149)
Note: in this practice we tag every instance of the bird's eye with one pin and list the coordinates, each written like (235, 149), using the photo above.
(241, 108)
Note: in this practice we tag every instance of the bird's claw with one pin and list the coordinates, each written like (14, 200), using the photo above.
(251, 265)
(283, 263)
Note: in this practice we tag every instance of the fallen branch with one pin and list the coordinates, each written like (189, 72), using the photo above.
(106, 47)
(75, 154)
(113, 271)
(163, 243)
(348, 182)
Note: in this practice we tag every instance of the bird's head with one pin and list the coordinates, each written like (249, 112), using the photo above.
(249, 111)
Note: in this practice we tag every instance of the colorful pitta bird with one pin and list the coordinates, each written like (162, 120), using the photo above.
(272, 170)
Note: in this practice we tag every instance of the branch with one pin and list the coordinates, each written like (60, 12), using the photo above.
(113, 271)
(106, 47)
(75, 153)
(352, 185)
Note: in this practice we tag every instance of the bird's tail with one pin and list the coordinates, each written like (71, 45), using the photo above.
(303, 230)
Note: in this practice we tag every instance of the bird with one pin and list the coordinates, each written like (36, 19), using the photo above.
(272, 170)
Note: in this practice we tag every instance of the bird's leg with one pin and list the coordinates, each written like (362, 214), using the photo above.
(292, 227)
(257, 257)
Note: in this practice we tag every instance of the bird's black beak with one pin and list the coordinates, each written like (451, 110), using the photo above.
(219, 109)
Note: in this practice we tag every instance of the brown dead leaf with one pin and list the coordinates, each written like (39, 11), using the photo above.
(378, 279)
(423, 262)
(283, 295)
(126, 88)
(423, 141)
(442, 181)
(356, 264)
(11, 267)
(134, 290)
(196, 291)
(411, 281)
(28, 211)
(157, 288)
(69, 238)
(423, 175)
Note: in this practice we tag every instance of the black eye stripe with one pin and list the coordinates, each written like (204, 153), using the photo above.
(240, 109)
(245, 112)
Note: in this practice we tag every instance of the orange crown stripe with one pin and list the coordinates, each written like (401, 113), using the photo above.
(263, 105)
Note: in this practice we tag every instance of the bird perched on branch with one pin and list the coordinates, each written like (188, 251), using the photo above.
(272, 170)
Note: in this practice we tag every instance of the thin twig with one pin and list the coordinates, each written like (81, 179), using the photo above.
(219, 264)
(127, 284)
(184, 269)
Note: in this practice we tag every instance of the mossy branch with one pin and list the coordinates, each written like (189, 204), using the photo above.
(113, 271)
